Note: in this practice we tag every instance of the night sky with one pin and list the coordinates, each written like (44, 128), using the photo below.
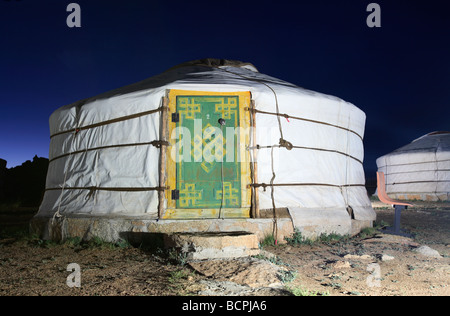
(398, 74)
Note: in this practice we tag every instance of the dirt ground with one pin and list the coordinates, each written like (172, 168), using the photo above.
(381, 265)
(369, 264)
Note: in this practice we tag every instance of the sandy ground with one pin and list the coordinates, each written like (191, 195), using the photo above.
(364, 265)
(384, 265)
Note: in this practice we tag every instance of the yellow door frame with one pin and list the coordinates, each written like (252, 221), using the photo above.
(171, 211)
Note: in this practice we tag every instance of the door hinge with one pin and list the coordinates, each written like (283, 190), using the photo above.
(175, 194)
(175, 117)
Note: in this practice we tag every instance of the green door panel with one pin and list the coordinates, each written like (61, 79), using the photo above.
(208, 177)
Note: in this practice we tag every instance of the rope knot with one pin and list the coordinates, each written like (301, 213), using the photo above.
(284, 143)
(90, 193)
(160, 143)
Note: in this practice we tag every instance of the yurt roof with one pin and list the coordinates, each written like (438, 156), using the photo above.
(217, 75)
(227, 73)
(431, 142)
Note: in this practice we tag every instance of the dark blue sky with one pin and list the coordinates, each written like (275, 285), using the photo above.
(399, 74)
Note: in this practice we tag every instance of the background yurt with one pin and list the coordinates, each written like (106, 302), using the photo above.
(263, 155)
(419, 170)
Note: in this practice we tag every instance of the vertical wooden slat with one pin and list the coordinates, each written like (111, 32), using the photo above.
(162, 155)
(255, 199)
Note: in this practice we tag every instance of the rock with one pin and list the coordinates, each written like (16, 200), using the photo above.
(427, 251)
(385, 257)
(356, 257)
(342, 265)
(213, 245)
(223, 288)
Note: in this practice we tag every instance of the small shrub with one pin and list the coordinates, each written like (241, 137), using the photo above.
(177, 257)
(122, 244)
(177, 281)
(269, 240)
(332, 238)
(73, 241)
(272, 259)
(298, 239)
(287, 276)
(367, 232)
(380, 225)
(97, 242)
(298, 291)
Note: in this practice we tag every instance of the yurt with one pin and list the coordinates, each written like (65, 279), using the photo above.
(419, 170)
(209, 145)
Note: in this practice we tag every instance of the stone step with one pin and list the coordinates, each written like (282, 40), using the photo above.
(213, 245)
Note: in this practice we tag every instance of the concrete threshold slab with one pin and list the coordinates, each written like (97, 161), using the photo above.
(137, 229)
